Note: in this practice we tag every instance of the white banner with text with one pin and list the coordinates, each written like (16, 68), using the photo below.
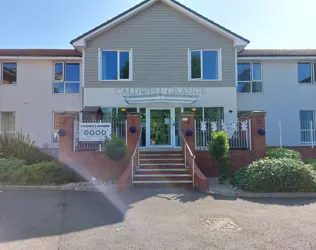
(93, 132)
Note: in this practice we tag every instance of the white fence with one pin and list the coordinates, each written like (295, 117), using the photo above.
(119, 128)
(285, 133)
(238, 133)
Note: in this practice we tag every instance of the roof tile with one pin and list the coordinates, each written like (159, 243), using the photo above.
(276, 52)
(40, 52)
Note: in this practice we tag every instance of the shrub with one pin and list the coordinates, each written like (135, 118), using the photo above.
(36, 156)
(283, 153)
(19, 145)
(276, 175)
(218, 148)
(45, 173)
(312, 162)
(8, 167)
(115, 149)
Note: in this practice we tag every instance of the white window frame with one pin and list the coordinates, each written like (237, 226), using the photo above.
(307, 131)
(1, 73)
(14, 114)
(219, 63)
(251, 77)
(311, 64)
(63, 78)
(130, 51)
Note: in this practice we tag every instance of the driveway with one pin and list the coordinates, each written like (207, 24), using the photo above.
(152, 219)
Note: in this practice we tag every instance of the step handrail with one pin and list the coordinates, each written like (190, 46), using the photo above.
(186, 146)
(137, 148)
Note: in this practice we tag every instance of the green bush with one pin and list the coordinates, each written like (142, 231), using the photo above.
(283, 153)
(276, 175)
(8, 167)
(115, 149)
(218, 148)
(36, 156)
(21, 146)
(45, 173)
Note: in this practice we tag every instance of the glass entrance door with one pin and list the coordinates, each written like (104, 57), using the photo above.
(160, 127)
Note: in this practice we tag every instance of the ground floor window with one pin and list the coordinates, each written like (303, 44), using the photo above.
(206, 113)
(7, 121)
(307, 122)
(160, 126)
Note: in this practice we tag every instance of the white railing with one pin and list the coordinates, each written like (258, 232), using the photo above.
(238, 133)
(284, 133)
(136, 152)
(188, 151)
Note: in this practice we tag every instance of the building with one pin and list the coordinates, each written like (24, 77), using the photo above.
(159, 58)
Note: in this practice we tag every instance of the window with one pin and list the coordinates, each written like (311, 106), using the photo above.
(9, 72)
(7, 121)
(206, 113)
(116, 65)
(304, 72)
(66, 78)
(249, 78)
(307, 120)
(204, 65)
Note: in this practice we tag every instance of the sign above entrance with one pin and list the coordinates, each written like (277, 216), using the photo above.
(160, 95)
(160, 91)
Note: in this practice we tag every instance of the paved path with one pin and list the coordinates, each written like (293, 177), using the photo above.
(152, 219)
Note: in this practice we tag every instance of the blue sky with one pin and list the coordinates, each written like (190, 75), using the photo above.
(268, 24)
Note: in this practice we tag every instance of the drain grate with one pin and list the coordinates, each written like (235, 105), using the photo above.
(220, 224)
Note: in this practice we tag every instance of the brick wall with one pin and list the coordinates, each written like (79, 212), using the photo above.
(209, 167)
(87, 163)
(238, 158)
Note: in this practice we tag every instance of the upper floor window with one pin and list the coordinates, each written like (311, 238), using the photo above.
(66, 78)
(116, 65)
(304, 71)
(9, 72)
(204, 65)
(249, 78)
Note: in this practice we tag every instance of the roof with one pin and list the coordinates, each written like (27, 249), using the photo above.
(92, 109)
(40, 52)
(277, 52)
(147, 1)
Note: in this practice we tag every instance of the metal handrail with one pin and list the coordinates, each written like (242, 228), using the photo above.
(185, 157)
(133, 155)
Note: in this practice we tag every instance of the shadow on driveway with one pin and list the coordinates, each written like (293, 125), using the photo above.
(289, 202)
(33, 214)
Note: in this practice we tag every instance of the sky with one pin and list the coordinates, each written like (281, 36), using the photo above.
(268, 24)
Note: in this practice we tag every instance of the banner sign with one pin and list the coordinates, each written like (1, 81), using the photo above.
(160, 91)
(93, 132)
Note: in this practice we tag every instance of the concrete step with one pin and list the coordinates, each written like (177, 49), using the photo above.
(160, 152)
(161, 161)
(161, 165)
(163, 177)
(161, 171)
(163, 184)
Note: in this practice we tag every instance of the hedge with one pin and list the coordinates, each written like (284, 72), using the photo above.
(14, 171)
(283, 153)
(276, 175)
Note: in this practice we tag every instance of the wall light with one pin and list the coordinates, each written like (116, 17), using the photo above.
(123, 109)
(194, 109)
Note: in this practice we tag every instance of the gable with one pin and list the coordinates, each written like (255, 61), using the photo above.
(163, 24)
(81, 40)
